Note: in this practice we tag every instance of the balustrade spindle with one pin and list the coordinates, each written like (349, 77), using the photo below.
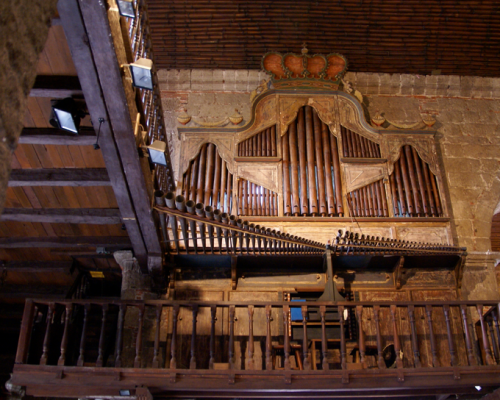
(192, 362)
(46, 339)
(64, 341)
(380, 358)
(269, 363)
(286, 346)
(361, 338)
(250, 362)
(414, 339)
(305, 347)
(231, 336)
(397, 344)
(493, 339)
(428, 312)
(324, 364)
(486, 344)
(138, 343)
(497, 330)
(173, 344)
(213, 313)
(468, 340)
(343, 352)
(99, 360)
(451, 345)
(81, 357)
(119, 336)
(157, 336)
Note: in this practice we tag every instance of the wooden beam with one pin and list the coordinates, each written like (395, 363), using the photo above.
(38, 266)
(116, 242)
(58, 87)
(86, 136)
(78, 42)
(97, 216)
(59, 177)
(105, 52)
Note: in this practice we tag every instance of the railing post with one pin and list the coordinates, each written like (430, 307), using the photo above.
(324, 364)
(25, 334)
(213, 312)
(101, 337)
(343, 353)
(305, 348)
(46, 340)
(155, 363)
(119, 336)
(64, 341)
(428, 313)
(451, 345)
(361, 341)
(81, 357)
(173, 349)
(269, 363)
(493, 338)
(231, 336)
(250, 362)
(497, 330)
(414, 339)
(468, 340)
(286, 347)
(397, 344)
(192, 362)
(380, 358)
(138, 343)
(486, 344)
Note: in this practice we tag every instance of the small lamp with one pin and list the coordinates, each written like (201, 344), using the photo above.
(66, 115)
(141, 72)
(157, 153)
(126, 8)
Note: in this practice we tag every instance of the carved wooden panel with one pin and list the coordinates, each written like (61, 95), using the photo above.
(208, 180)
(263, 174)
(359, 175)
(262, 144)
(414, 187)
(424, 234)
(256, 200)
(355, 145)
(368, 201)
(311, 169)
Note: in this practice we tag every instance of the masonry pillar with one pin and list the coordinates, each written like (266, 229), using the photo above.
(479, 280)
(135, 286)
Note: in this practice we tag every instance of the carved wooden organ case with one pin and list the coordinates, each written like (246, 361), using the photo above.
(308, 151)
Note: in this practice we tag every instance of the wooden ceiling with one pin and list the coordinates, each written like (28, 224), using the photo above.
(390, 36)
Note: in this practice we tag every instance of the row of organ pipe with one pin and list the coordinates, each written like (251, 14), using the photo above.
(311, 168)
(311, 176)
(208, 181)
(263, 144)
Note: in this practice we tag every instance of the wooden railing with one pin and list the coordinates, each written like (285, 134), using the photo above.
(148, 101)
(201, 335)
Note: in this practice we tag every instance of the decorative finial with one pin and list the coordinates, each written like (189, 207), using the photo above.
(304, 48)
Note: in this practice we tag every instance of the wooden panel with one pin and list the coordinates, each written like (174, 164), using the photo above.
(55, 58)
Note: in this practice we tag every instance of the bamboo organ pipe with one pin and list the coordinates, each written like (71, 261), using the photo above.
(273, 141)
(286, 176)
(319, 164)
(209, 175)
(190, 207)
(301, 133)
(327, 159)
(170, 203)
(402, 201)
(311, 175)
(421, 183)
(217, 179)
(336, 173)
(413, 179)
(180, 204)
(201, 174)
(294, 161)
(407, 184)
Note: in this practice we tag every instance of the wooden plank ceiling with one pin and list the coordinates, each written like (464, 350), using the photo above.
(390, 36)
(43, 211)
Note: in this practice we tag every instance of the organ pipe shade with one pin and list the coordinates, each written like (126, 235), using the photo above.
(311, 167)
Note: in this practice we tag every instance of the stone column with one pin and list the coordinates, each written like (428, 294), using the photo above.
(479, 280)
(135, 286)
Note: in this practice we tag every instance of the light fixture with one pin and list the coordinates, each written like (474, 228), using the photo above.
(126, 8)
(157, 152)
(124, 392)
(141, 71)
(66, 115)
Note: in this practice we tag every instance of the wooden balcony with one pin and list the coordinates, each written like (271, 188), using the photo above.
(87, 348)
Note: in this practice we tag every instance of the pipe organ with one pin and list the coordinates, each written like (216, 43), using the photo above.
(368, 201)
(263, 144)
(357, 146)
(254, 199)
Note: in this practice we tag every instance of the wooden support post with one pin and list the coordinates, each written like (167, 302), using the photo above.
(380, 358)
(324, 343)
(138, 343)
(64, 341)
(173, 344)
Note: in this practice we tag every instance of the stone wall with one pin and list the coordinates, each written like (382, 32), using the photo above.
(24, 27)
(467, 111)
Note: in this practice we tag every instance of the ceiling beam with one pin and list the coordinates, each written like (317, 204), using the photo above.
(78, 42)
(37, 266)
(56, 86)
(59, 177)
(116, 242)
(97, 216)
(108, 54)
(86, 136)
